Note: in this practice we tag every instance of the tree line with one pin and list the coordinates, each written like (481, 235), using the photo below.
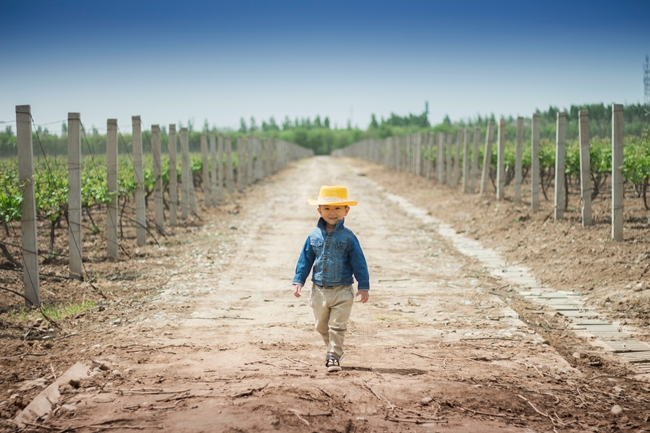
(319, 135)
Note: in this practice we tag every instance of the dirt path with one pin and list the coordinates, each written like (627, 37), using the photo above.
(225, 346)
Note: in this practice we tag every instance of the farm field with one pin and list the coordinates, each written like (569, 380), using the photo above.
(202, 333)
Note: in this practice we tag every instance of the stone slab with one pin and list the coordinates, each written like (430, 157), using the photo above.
(583, 321)
(636, 356)
(578, 313)
(628, 346)
(643, 367)
(601, 328)
(610, 335)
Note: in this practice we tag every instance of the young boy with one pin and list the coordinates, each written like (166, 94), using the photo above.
(335, 254)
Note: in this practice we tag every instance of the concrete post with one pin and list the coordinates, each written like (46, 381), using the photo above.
(220, 175)
(140, 217)
(501, 169)
(534, 163)
(617, 175)
(241, 164)
(112, 241)
(268, 155)
(466, 160)
(448, 166)
(205, 171)
(249, 144)
(28, 219)
(518, 158)
(258, 159)
(440, 160)
(429, 151)
(173, 177)
(585, 167)
(74, 196)
(474, 172)
(159, 214)
(418, 154)
(213, 169)
(185, 174)
(230, 182)
(560, 154)
(487, 158)
(397, 147)
(457, 168)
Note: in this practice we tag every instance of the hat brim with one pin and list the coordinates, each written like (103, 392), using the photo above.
(330, 203)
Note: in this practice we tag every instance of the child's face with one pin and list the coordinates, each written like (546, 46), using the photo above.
(332, 214)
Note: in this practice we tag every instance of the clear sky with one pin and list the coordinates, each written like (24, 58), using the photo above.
(171, 61)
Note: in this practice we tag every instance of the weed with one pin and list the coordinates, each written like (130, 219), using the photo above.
(61, 312)
(55, 312)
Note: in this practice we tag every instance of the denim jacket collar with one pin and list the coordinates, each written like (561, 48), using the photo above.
(340, 225)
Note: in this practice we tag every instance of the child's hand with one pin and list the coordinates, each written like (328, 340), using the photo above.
(296, 290)
(364, 295)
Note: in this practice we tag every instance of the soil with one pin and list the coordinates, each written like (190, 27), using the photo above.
(202, 332)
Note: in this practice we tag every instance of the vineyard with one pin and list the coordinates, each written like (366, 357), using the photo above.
(51, 192)
(636, 166)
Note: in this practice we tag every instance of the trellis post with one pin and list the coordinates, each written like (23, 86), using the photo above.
(472, 181)
(617, 174)
(230, 183)
(518, 158)
(213, 169)
(534, 163)
(560, 153)
(487, 158)
(186, 173)
(585, 167)
(159, 214)
(28, 219)
(457, 165)
(140, 217)
(448, 160)
(112, 241)
(205, 171)
(466, 160)
(241, 164)
(74, 196)
(220, 175)
(440, 159)
(501, 148)
(173, 177)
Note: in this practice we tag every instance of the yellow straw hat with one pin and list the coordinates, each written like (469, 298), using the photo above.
(333, 195)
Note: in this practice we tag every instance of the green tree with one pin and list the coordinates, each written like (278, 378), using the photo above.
(242, 126)
(373, 122)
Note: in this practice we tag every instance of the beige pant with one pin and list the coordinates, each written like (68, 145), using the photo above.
(332, 307)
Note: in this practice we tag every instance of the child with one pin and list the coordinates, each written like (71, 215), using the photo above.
(335, 254)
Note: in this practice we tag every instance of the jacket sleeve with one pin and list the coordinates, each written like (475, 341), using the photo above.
(359, 265)
(305, 263)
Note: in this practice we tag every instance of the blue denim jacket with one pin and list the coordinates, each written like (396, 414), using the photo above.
(335, 256)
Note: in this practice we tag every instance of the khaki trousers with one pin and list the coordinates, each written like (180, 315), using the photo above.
(332, 307)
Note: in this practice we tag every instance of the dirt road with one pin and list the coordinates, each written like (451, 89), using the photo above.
(224, 345)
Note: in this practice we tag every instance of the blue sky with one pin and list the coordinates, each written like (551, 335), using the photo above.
(173, 61)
